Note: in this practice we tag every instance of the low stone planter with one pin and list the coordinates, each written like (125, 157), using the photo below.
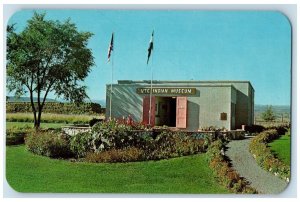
(75, 129)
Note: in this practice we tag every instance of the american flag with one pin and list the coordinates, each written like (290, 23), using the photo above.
(111, 47)
(150, 46)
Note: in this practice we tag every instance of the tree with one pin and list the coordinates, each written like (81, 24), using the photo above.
(48, 56)
(268, 114)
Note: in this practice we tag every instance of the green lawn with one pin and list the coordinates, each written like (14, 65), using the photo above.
(20, 125)
(26, 172)
(282, 148)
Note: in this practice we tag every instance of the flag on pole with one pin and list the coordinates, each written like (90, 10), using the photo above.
(111, 47)
(150, 46)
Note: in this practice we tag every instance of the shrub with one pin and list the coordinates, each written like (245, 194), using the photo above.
(172, 144)
(226, 175)
(255, 128)
(81, 144)
(94, 121)
(16, 136)
(116, 155)
(263, 155)
(106, 136)
(49, 144)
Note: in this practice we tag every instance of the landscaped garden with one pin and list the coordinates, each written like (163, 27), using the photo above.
(119, 158)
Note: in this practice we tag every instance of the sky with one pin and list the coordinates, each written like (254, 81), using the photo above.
(188, 45)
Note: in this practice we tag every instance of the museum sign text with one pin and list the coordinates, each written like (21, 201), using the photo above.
(172, 91)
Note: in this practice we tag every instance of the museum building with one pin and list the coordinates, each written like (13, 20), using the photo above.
(186, 105)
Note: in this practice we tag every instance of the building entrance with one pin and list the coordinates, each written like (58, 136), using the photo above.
(169, 111)
(165, 111)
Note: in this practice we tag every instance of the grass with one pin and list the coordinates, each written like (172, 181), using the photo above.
(282, 148)
(22, 125)
(51, 118)
(26, 172)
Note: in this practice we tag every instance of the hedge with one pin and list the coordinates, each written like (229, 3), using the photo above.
(55, 107)
(263, 155)
(226, 175)
(48, 143)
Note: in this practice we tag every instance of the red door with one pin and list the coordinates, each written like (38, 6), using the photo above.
(181, 111)
(146, 109)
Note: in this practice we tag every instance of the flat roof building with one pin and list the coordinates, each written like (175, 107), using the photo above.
(187, 105)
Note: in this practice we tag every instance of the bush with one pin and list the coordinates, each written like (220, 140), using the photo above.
(111, 135)
(94, 121)
(16, 136)
(226, 175)
(255, 128)
(263, 155)
(49, 144)
(116, 155)
(81, 144)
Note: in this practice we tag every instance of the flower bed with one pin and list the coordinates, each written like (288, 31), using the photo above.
(263, 155)
(116, 142)
(112, 138)
(227, 176)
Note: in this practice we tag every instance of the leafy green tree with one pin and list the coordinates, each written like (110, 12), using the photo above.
(268, 114)
(48, 56)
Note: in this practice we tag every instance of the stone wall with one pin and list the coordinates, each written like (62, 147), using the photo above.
(74, 130)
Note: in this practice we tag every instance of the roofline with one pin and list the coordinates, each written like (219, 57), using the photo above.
(181, 81)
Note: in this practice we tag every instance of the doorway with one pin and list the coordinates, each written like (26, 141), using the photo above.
(168, 111)
(165, 111)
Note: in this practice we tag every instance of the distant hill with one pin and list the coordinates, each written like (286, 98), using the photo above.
(26, 99)
(279, 110)
(276, 108)
(101, 102)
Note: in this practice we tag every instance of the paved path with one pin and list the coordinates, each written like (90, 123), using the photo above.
(244, 163)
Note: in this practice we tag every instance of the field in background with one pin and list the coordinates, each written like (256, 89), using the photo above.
(282, 115)
(27, 125)
(52, 118)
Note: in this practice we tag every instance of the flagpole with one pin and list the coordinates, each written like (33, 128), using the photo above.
(112, 78)
(150, 108)
(112, 74)
(151, 92)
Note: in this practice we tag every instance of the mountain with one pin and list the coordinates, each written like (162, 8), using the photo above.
(26, 99)
(278, 109)
(101, 102)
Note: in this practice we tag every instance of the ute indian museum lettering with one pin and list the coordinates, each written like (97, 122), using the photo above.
(188, 105)
(181, 91)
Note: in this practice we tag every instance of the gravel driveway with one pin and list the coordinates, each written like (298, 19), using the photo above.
(244, 163)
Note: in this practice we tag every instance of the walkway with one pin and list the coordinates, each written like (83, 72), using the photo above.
(244, 163)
